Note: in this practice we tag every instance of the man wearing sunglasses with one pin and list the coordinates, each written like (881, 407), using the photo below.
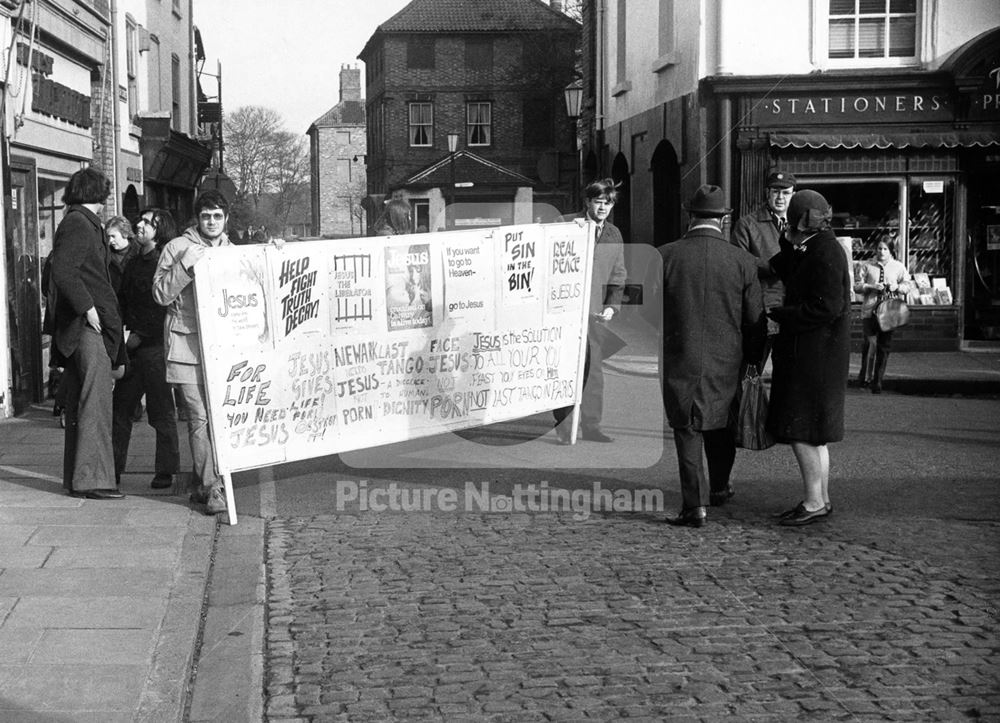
(173, 288)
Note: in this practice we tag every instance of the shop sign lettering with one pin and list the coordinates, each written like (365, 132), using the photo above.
(60, 102)
(887, 108)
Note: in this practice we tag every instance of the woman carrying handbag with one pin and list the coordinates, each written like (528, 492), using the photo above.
(885, 277)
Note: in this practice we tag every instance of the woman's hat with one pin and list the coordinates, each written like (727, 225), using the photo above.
(808, 210)
(708, 201)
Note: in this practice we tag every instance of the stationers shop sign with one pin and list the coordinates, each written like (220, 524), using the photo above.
(879, 107)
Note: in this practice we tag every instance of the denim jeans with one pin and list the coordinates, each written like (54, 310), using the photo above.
(193, 396)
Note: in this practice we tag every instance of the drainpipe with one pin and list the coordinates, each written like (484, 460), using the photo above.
(116, 111)
(725, 19)
(192, 75)
(599, 82)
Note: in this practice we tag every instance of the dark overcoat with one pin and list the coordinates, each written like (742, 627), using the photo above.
(757, 233)
(812, 351)
(80, 258)
(712, 318)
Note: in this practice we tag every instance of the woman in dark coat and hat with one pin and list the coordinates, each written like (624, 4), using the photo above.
(812, 351)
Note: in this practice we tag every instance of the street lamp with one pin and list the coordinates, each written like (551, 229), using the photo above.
(573, 95)
(452, 147)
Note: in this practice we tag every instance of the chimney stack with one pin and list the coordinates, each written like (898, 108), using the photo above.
(557, 5)
(350, 83)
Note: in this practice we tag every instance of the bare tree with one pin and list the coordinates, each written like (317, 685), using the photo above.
(265, 160)
(574, 9)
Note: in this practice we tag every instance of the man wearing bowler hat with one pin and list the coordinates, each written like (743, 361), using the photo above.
(758, 233)
(712, 316)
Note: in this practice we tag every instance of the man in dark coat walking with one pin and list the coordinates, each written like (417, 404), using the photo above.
(712, 321)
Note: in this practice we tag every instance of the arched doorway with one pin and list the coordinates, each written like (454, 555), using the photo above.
(130, 204)
(623, 208)
(666, 194)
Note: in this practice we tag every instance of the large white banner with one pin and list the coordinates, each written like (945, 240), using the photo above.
(319, 347)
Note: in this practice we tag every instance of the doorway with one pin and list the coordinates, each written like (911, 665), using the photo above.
(622, 217)
(982, 276)
(24, 275)
(666, 194)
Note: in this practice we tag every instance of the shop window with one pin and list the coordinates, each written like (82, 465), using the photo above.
(914, 215)
(929, 256)
(421, 124)
(50, 209)
(867, 32)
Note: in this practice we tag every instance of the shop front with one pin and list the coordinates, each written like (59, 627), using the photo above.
(50, 138)
(906, 157)
(172, 165)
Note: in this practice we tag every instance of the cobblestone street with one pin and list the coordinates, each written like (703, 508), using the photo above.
(545, 617)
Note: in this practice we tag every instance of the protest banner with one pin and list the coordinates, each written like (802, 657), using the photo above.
(320, 347)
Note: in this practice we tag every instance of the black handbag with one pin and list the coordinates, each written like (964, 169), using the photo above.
(748, 414)
(891, 313)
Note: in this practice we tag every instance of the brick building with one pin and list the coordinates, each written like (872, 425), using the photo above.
(337, 148)
(491, 77)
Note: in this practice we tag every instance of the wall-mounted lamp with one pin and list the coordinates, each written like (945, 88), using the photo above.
(573, 95)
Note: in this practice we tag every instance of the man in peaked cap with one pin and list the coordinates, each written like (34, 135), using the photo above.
(758, 233)
(712, 312)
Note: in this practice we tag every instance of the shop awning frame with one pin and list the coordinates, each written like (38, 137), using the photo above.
(901, 139)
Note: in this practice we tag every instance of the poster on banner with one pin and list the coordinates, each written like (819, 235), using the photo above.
(520, 246)
(408, 299)
(321, 347)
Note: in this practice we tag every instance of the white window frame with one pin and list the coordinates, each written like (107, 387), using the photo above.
(412, 126)
(821, 41)
(471, 127)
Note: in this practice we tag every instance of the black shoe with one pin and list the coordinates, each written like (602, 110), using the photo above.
(107, 494)
(717, 499)
(594, 434)
(162, 481)
(802, 516)
(792, 512)
(693, 517)
(876, 387)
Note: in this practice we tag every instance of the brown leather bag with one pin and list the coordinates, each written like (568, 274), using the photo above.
(891, 313)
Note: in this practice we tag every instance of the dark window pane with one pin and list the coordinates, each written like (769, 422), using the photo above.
(902, 6)
(870, 7)
(841, 7)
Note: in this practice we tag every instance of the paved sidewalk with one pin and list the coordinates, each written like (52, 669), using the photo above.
(970, 373)
(100, 601)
